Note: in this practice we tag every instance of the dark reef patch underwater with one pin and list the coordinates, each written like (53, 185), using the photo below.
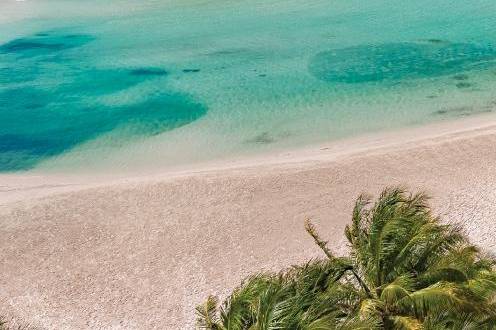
(397, 61)
(51, 102)
(44, 44)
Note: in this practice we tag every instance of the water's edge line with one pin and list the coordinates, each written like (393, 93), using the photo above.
(22, 188)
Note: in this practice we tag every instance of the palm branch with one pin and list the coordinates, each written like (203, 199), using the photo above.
(405, 270)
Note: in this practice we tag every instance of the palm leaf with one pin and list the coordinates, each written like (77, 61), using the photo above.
(405, 270)
(395, 291)
(441, 274)
(310, 228)
(437, 298)
(207, 314)
(240, 308)
(405, 323)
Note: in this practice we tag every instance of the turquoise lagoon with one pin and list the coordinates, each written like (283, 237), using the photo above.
(137, 84)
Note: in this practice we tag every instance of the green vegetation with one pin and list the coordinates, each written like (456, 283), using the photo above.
(405, 270)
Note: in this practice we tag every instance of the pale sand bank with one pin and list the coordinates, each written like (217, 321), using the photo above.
(141, 252)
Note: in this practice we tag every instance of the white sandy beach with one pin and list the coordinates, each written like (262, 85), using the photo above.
(140, 252)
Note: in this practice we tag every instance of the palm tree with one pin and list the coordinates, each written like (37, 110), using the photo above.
(405, 270)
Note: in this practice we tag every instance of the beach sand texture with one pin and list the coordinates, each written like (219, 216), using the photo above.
(140, 254)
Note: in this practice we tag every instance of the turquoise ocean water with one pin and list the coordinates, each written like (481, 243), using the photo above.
(130, 84)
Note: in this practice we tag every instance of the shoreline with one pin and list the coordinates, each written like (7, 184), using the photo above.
(141, 252)
(35, 184)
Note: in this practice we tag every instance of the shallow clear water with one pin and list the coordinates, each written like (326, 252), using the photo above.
(137, 84)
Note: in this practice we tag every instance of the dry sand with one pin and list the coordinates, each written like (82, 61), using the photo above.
(141, 252)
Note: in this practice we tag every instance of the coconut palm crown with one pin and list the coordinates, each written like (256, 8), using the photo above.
(405, 270)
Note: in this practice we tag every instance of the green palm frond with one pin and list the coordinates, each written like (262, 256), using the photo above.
(206, 313)
(238, 310)
(317, 275)
(381, 213)
(442, 296)
(460, 321)
(405, 270)
(390, 225)
(483, 286)
(467, 259)
(355, 233)
(358, 237)
(430, 244)
(405, 323)
(442, 241)
(324, 323)
(397, 290)
(371, 308)
(310, 228)
(442, 274)
(358, 323)
(268, 309)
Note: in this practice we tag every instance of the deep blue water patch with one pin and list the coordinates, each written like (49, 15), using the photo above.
(38, 129)
(149, 72)
(47, 109)
(397, 61)
(45, 43)
(99, 82)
